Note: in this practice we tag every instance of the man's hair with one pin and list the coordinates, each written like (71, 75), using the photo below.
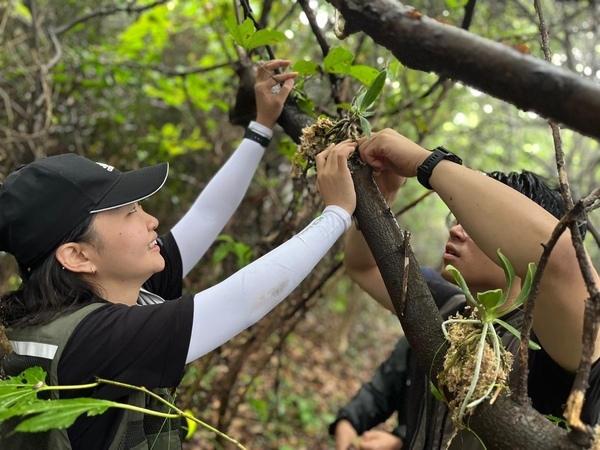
(537, 189)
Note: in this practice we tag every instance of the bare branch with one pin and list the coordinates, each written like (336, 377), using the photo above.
(422, 43)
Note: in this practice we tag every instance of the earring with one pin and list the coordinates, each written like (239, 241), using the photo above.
(93, 271)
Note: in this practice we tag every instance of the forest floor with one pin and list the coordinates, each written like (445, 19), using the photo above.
(330, 355)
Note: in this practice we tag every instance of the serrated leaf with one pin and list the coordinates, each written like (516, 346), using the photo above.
(374, 90)
(517, 333)
(338, 60)
(265, 37)
(50, 414)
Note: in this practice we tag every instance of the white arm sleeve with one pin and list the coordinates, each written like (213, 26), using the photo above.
(200, 226)
(231, 306)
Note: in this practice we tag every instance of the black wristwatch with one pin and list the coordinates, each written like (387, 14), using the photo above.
(257, 137)
(426, 169)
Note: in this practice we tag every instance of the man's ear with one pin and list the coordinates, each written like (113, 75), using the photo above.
(73, 258)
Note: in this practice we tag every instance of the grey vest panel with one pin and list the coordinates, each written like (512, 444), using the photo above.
(43, 346)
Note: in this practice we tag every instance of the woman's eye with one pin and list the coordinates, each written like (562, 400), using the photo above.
(134, 209)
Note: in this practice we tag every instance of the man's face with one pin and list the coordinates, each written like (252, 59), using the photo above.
(480, 272)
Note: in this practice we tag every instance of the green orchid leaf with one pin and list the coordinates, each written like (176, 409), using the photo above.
(517, 333)
(461, 283)
(526, 286)
(357, 101)
(366, 126)
(509, 273)
(435, 391)
(373, 92)
(490, 299)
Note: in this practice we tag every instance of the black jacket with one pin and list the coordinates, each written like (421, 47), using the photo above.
(387, 391)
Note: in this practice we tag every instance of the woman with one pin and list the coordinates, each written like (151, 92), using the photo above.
(85, 248)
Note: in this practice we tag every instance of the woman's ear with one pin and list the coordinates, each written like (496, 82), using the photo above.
(73, 258)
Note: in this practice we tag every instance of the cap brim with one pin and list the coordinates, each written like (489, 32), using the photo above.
(134, 186)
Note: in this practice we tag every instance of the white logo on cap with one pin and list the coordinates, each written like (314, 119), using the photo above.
(106, 166)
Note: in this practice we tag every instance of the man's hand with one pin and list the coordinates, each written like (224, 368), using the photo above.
(379, 440)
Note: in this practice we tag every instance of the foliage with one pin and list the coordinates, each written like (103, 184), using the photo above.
(477, 361)
(19, 398)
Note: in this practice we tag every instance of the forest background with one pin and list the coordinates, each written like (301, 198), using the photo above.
(133, 83)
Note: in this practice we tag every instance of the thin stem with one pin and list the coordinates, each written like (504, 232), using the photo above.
(473, 385)
(496, 347)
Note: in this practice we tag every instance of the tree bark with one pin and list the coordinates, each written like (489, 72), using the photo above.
(422, 43)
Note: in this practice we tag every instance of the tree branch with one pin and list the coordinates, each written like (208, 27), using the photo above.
(422, 43)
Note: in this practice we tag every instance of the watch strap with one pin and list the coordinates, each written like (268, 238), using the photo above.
(425, 170)
(257, 137)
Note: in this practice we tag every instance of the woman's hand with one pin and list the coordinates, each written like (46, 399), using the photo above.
(389, 149)
(334, 180)
(269, 104)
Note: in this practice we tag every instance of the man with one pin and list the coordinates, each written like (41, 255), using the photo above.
(490, 216)
(387, 391)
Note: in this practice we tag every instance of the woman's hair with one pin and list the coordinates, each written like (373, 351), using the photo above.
(537, 189)
(48, 290)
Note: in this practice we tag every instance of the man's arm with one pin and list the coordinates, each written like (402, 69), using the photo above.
(497, 217)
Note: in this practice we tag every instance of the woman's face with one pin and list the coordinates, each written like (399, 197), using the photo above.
(125, 249)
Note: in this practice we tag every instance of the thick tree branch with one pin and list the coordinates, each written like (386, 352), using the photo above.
(422, 43)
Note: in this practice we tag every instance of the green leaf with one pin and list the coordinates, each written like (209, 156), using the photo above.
(241, 33)
(373, 92)
(436, 393)
(455, 4)
(517, 333)
(50, 414)
(509, 273)
(338, 60)
(305, 68)
(364, 74)
(366, 126)
(265, 37)
(461, 283)
(490, 299)
(526, 286)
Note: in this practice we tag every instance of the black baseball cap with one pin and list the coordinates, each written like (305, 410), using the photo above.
(42, 202)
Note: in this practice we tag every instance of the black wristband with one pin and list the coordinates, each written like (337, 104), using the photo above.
(257, 137)
(426, 169)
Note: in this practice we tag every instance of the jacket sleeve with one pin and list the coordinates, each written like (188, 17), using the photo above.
(379, 398)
